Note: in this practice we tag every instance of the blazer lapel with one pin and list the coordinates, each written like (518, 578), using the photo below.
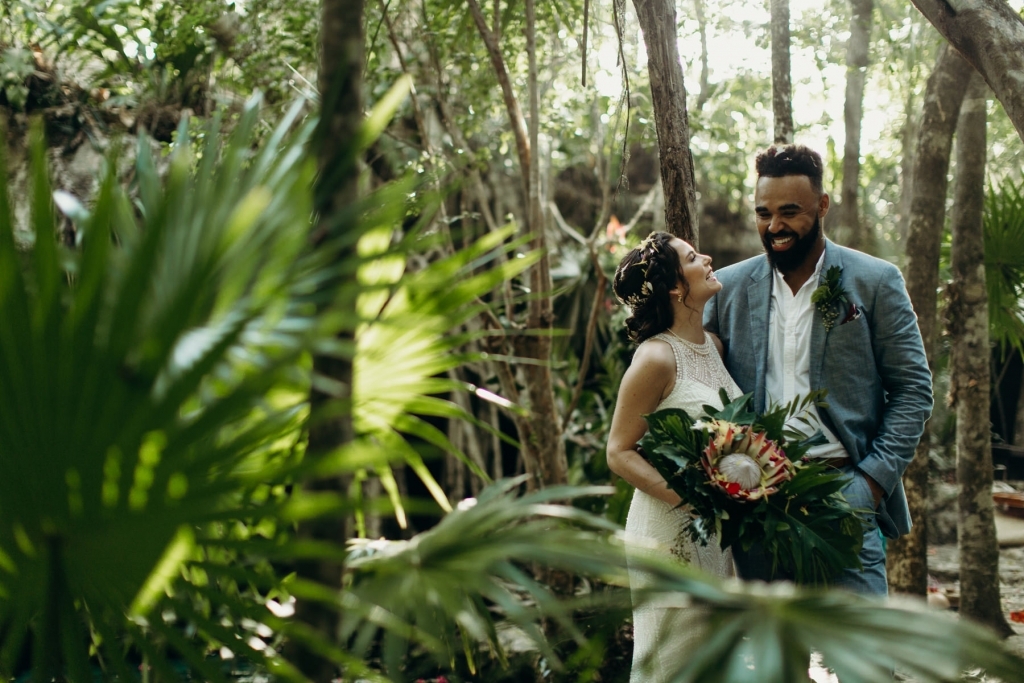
(759, 295)
(818, 334)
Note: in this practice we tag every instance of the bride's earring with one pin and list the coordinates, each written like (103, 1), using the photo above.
(679, 297)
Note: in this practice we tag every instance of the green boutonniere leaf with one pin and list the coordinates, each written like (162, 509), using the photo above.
(829, 295)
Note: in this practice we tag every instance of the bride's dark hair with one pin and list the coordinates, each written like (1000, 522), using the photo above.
(642, 281)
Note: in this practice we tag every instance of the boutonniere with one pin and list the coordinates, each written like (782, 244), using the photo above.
(829, 296)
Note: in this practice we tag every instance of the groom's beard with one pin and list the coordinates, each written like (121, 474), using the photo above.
(789, 260)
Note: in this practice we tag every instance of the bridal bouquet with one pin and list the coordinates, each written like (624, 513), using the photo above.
(742, 475)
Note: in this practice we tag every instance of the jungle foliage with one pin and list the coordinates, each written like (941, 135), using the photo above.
(155, 356)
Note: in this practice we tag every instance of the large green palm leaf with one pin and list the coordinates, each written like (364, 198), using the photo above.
(452, 590)
(135, 387)
(761, 633)
(407, 347)
(442, 588)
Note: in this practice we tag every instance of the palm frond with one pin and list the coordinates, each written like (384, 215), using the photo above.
(133, 389)
(768, 632)
(432, 584)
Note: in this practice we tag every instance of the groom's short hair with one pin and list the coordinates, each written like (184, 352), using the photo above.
(783, 160)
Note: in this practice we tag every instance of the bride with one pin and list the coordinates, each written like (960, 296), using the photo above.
(666, 284)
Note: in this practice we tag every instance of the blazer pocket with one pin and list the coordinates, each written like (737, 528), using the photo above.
(850, 327)
(848, 344)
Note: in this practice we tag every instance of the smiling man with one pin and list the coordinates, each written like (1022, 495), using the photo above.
(860, 341)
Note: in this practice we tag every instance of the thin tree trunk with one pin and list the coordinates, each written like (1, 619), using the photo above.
(668, 93)
(547, 430)
(497, 461)
(990, 36)
(515, 114)
(850, 223)
(968, 315)
(541, 436)
(702, 28)
(782, 85)
(908, 138)
(908, 555)
(340, 82)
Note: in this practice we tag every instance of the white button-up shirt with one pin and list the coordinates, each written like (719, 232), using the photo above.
(789, 355)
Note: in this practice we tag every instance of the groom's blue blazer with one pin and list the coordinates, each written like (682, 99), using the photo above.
(874, 365)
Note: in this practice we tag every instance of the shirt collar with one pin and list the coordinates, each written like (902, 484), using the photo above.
(781, 282)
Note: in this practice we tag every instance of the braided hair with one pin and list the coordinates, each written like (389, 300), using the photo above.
(643, 280)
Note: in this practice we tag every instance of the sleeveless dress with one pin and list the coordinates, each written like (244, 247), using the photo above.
(663, 630)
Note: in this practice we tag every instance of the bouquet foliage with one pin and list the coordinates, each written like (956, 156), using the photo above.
(743, 476)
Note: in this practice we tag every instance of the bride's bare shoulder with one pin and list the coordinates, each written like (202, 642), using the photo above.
(655, 354)
(717, 342)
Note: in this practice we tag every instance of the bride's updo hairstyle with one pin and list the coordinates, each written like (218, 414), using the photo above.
(643, 280)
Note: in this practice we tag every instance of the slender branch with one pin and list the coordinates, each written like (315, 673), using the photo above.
(421, 125)
(603, 166)
(497, 466)
(782, 82)
(470, 437)
(476, 183)
(602, 280)
(539, 306)
(645, 207)
(515, 115)
(496, 11)
(376, 32)
(586, 16)
(619, 12)
(566, 228)
(588, 344)
(702, 25)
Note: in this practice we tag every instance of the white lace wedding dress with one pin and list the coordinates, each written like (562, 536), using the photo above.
(663, 629)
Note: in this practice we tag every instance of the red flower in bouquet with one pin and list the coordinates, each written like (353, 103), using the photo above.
(745, 464)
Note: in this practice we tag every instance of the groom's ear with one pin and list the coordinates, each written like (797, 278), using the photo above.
(823, 204)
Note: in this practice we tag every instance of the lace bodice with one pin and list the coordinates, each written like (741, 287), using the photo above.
(700, 373)
(664, 630)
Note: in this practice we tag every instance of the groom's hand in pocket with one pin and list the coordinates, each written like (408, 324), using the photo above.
(876, 490)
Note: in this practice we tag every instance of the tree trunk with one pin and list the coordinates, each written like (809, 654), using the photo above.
(668, 94)
(970, 386)
(908, 134)
(908, 558)
(702, 27)
(851, 226)
(540, 436)
(341, 114)
(908, 138)
(547, 431)
(990, 35)
(782, 85)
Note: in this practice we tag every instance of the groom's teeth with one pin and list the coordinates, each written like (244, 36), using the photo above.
(779, 241)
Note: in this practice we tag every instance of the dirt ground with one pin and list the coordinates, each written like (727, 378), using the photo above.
(944, 569)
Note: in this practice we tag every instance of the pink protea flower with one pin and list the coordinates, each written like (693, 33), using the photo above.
(744, 464)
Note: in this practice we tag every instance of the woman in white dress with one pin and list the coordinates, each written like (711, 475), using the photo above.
(666, 284)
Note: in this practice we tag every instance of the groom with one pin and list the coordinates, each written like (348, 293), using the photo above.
(866, 351)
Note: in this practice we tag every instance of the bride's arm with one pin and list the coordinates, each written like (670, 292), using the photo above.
(649, 379)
